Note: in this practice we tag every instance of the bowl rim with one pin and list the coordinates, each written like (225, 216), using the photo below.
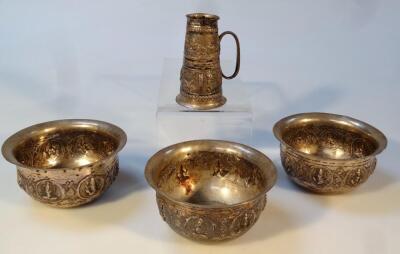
(15, 139)
(364, 127)
(265, 158)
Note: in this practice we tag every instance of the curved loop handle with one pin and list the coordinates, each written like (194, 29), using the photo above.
(237, 54)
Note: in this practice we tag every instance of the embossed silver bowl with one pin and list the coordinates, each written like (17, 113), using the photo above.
(65, 163)
(328, 153)
(210, 189)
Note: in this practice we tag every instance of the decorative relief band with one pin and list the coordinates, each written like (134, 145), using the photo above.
(68, 193)
(322, 176)
(210, 223)
(201, 29)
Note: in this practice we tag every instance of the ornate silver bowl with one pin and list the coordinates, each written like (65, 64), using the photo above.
(210, 189)
(328, 153)
(65, 163)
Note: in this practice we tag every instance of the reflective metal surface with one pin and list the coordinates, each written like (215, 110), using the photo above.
(201, 74)
(210, 189)
(328, 153)
(65, 163)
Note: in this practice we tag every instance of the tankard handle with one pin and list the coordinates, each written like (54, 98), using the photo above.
(237, 54)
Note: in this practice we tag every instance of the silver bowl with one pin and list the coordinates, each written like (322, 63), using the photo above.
(65, 163)
(210, 189)
(328, 153)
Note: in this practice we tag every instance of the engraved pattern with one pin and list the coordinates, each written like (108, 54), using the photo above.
(70, 187)
(188, 171)
(48, 191)
(42, 153)
(351, 144)
(323, 176)
(90, 186)
(210, 223)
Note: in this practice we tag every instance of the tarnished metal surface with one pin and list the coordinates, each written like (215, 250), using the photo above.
(65, 163)
(210, 189)
(328, 153)
(201, 74)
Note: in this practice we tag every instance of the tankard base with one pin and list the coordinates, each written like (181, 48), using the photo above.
(201, 102)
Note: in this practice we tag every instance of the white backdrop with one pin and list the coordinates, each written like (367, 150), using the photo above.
(103, 60)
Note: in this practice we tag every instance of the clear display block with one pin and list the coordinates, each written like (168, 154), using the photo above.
(175, 123)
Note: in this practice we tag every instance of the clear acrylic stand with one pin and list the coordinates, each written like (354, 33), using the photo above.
(233, 121)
